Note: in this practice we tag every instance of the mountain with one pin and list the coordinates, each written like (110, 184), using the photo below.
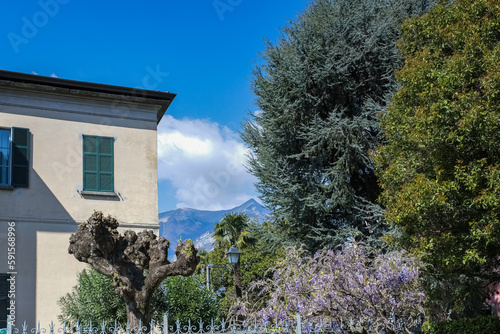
(198, 225)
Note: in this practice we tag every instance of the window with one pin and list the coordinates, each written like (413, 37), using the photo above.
(98, 164)
(4, 157)
(4, 299)
(14, 157)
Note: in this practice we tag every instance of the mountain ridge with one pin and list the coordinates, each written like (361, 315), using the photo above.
(198, 225)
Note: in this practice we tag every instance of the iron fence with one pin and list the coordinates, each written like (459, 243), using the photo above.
(297, 326)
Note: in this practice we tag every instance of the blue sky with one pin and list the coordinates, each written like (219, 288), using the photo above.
(203, 50)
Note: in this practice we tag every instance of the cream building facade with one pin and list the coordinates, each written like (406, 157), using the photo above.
(68, 148)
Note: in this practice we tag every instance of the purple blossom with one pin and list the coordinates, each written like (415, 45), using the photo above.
(403, 277)
(300, 308)
(345, 284)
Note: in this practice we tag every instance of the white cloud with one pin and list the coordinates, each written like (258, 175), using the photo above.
(204, 162)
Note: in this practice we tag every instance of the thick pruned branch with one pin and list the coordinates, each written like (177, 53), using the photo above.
(126, 257)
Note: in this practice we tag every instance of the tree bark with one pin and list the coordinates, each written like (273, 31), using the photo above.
(139, 314)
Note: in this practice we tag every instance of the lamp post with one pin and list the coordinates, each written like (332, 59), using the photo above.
(233, 255)
(211, 266)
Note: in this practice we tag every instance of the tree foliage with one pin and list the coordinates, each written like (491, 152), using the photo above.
(352, 283)
(232, 230)
(319, 91)
(478, 325)
(95, 299)
(187, 298)
(255, 266)
(440, 167)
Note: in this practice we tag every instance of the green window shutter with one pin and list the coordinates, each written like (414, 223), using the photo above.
(90, 167)
(98, 165)
(20, 157)
(106, 164)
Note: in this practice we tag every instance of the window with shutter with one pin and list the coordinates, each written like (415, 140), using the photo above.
(98, 163)
(14, 157)
(20, 157)
(4, 157)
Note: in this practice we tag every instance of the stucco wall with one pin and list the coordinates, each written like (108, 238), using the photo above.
(57, 124)
(49, 210)
(44, 269)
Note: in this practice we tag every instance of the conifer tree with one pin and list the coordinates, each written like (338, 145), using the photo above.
(320, 90)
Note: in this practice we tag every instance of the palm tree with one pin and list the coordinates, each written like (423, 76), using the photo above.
(203, 255)
(232, 230)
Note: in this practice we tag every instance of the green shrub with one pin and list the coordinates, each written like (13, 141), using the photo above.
(186, 298)
(478, 325)
(94, 298)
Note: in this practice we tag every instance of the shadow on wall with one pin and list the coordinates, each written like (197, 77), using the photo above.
(43, 267)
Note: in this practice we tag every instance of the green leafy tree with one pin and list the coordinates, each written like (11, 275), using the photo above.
(440, 167)
(203, 255)
(320, 89)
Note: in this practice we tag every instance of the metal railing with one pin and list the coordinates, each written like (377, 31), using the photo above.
(297, 326)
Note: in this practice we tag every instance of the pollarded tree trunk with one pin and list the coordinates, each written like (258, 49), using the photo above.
(137, 263)
(139, 312)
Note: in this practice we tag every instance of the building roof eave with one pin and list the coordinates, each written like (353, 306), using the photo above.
(164, 99)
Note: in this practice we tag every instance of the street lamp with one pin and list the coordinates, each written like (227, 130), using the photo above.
(233, 255)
